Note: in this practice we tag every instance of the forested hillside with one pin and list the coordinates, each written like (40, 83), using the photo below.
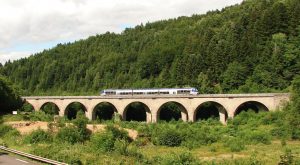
(252, 47)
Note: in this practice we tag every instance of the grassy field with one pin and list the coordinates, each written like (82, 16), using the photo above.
(249, 139)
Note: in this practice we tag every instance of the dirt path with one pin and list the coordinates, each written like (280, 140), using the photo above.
(25, 127)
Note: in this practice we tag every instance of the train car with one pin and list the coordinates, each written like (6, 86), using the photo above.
(160, 91)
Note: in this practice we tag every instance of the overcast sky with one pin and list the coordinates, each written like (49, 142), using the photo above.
(29, 26)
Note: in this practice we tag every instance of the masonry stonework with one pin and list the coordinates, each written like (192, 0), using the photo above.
(227, 104)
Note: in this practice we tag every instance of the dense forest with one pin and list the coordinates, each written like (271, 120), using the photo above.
(251, 47)
(9, 96)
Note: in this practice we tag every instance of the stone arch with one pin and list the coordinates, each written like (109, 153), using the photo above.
(71, 111)
(105, 112)
(253, 105)
(210, 109)
(137, 111)
(54, 108)
(172, 107)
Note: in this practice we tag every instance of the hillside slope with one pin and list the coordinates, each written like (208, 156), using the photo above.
(252, 47)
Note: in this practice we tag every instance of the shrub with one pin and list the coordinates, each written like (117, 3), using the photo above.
(195, 137)
(245, 117)
(185, 158)
(169, 138)
(80, 122)
(118, 133)
(69, 134)
(103, 142)
(282, 131)
(235, 145)
(296, 134)
(38, 136)
(4, 129)
(121, 147)
(256, 137)
(272, 118)
(40, 116)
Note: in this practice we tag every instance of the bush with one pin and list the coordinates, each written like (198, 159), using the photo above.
(282, 131)
(255, 137)
(4, 129)
(103, 142)
(296, 134)
(69, 134)
(38, 136)
(235, 144)
(121, 147)
(118, 133)
(169, 138)
(40, 116)
(195, 137)
(80, 122)
(185, 158)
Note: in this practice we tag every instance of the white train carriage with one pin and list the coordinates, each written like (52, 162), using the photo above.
(160, 91)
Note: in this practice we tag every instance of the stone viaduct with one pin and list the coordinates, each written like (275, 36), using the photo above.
(227, 104)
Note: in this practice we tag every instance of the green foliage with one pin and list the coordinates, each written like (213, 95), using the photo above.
(251, 47)
(235, 144)
(27, 107)
(103, 142)
(169, 138)
(184, 158)
(9, 96)
(75, 133)
(292, 110)
(50, 108)
(4, 129)
(69, 134)
(40, 116)
(80, 122)
(38, 136)
(234, 76)
(106, 141)
(118, 133)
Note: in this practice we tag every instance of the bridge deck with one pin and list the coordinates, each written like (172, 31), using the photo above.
(161, 96)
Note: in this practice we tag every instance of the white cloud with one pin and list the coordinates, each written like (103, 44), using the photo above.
(4, 57)
(36, 21)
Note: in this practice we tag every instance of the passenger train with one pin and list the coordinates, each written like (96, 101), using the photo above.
(160, 91)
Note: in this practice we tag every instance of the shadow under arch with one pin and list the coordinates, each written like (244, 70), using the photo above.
(210, 109)
(251, 105)
(172, 110)
(50, 108)
(104, 111)
(136, 111)
(73, 108)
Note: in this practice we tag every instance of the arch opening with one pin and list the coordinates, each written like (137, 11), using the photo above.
(104, 111)
(211, 110)
(171, 111)
(136, 111)
(73, 108)
(251, 106)
(50, 108)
